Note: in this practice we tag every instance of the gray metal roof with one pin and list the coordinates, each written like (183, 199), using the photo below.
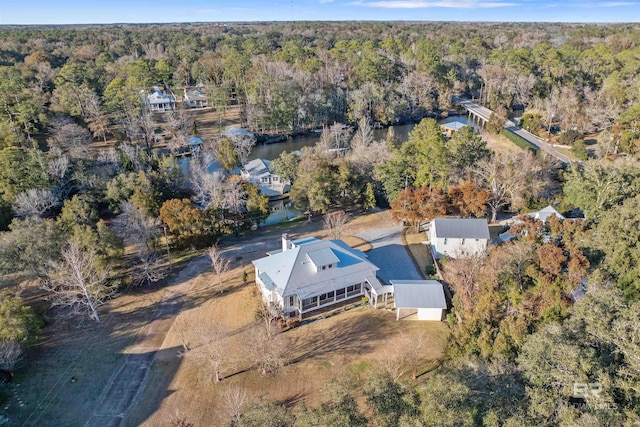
(461, 228)
(257, 168)
(418, 294)
(545, 213)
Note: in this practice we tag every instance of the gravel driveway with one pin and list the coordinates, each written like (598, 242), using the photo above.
(390, 255)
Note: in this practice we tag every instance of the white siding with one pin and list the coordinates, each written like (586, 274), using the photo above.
(435, 314)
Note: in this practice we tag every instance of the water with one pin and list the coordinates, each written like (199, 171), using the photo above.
(271, 151)
(282, 210)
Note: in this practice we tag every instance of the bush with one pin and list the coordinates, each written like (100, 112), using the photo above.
(580, 150)
(532, 122)
(569, 137)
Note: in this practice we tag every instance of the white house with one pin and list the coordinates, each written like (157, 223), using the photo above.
(458, 237)
(419, 300)
(160, 101)
(310, 274)
(257, 171)
(195, 97)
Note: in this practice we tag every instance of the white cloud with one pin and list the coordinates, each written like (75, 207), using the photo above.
(421, 4)
(618, 3)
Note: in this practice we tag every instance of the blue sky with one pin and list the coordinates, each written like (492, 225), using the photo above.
(138, 11)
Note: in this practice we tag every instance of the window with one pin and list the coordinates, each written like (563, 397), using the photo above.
(350, 288)
(330, 265)
(291, 301)
(324, 267)
(445, 241)
(463, 241)
(330, 294)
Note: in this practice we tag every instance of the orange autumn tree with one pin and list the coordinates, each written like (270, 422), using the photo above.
(468, 199)
(419, 205)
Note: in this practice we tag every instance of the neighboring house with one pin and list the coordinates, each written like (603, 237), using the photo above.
(452, 127)
(257, 171)
(458, 237)
(545, 213)
(419, 300)
(196, 96)
(160, 101)
(310, 274)
(192, 146)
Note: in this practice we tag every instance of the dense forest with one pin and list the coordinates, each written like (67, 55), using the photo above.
(558, 306)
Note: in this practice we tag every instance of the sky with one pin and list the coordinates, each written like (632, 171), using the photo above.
(160, 11)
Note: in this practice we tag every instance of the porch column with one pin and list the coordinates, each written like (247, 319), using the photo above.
(397, 314)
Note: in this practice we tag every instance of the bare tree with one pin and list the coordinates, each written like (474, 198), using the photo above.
(334, 222)
(510, 179)
(207, 187)
(69, 137)
(235, 401)
(220, 264)
(10, 354)
(234, 196)
(267, 349)
(183, 330)
(406, 355)
(242, 145)
(269, 313)
(135, 226)
(149, 268)
(34, 202)
(78, 283)
(212, 349)
(177, 420)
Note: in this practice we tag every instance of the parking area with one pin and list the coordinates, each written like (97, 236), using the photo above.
(389, 254)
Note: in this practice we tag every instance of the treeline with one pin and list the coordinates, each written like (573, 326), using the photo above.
(291, 77)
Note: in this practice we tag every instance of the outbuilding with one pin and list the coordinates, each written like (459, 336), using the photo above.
(419, 300)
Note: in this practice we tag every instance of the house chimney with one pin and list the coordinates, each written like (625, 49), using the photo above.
(285, 242)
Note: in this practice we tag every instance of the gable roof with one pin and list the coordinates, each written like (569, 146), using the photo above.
(294, 271)
(418, 294)
(195, 93)
(159, 97)
(545, 213)
(258, 167)
(461, 228)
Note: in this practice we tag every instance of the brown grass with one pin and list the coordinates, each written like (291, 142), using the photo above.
(352, 341)
(419, 251)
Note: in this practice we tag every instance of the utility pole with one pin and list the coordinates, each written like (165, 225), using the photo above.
(166, 242)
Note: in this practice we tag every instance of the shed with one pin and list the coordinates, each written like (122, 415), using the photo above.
(419, 300)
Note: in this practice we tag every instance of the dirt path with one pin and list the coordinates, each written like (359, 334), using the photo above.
(120, 392)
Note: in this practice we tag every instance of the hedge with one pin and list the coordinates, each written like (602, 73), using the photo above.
(518, 140)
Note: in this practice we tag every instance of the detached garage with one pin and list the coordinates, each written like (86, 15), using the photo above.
(419, 300)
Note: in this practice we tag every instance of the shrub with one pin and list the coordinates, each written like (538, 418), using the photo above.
(580, 150)
(569, 137)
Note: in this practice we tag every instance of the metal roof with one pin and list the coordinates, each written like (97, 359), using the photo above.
(461, 228)
(418, 294)
(322, 257)
(292, 271)
(545, 213)
(257, 168)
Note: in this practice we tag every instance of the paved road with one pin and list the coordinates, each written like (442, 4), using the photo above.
(127, 381)
(534, 140)
(390, 255)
